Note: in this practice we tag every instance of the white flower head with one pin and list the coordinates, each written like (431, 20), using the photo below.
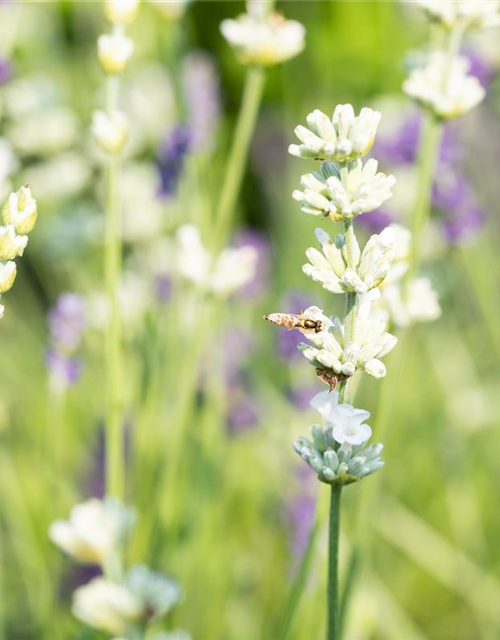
(222, 275)
(234, 268)
(468, 14)
(263, 38)
(107, 606)
(444, 87)
(20, 211)
(11, 245)
(347, 194)
(325, 403)
(121, 11)
(398, 239)
(110, 130)
(171, 9)
(371, 343)
(94, 531)
(343, 138)
(418, 303)
(330, 267)
(8, 272)
(114, 51)
(347, 425)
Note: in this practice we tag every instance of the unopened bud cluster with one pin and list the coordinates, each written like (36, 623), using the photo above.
(114, 51)
(19, 216)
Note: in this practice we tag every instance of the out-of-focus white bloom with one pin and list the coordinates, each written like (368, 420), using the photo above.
(94, 532)
(107, 606)
(8, 272)
(142, 597)
(114, 51)
(344, 420)
(45, 132)
(61, 177)
(110, 130)
(330, 268)
(264, 38)
(467, 14)
(399, 239)
(139, 186)
(343, 138)
(347, 194)
(11, 245)
(444, 87)
(417, 303)
(371, 342)
(171, 9)
(121, 11)
(20, 211)
(203, 98)
(2, 311)
(221, 275)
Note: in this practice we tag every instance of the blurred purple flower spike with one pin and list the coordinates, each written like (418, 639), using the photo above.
(171, 158)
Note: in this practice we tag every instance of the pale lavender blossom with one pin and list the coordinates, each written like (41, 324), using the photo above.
(171, 159)
(203, 98)
(259, 284)
(66, 326)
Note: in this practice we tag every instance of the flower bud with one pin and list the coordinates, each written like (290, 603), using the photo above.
(7, 276)
(114, 51)
(20, 211)
(121, 11)
(110, 130)
(11, 245)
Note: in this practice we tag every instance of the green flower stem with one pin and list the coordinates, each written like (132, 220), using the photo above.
(252, 96)
(333, 553)
(115, 472)
(427, 158)
(351, 308)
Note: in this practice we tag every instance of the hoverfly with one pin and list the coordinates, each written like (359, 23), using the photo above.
(329, 377)
(295, 321)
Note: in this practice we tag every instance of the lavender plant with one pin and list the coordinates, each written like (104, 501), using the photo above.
(110, 130)
(19, 216)
(343, 189)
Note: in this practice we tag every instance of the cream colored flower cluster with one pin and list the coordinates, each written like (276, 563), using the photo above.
(19, 216)
(114, 50)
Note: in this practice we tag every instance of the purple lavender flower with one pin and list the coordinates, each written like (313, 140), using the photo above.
(5, 71)
(301, 514)
(66, 325)
(452, 196)
(163, 288)
(288, 341)
(260, 282)
(171, 157)
(203, 98)
(479, 67)
(243, 412)
(67, 321)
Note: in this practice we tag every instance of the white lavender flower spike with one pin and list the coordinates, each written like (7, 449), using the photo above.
(11, 245)
(344, 195)
(20, 211)
(444, 87)
(114, 51)
(465, 14)
(263, 38)
(8, 271)
(331, 270)
(343, 138)
(110, 130)
(94, 531)
(121, 12)
(371, 343)
(107, 606)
